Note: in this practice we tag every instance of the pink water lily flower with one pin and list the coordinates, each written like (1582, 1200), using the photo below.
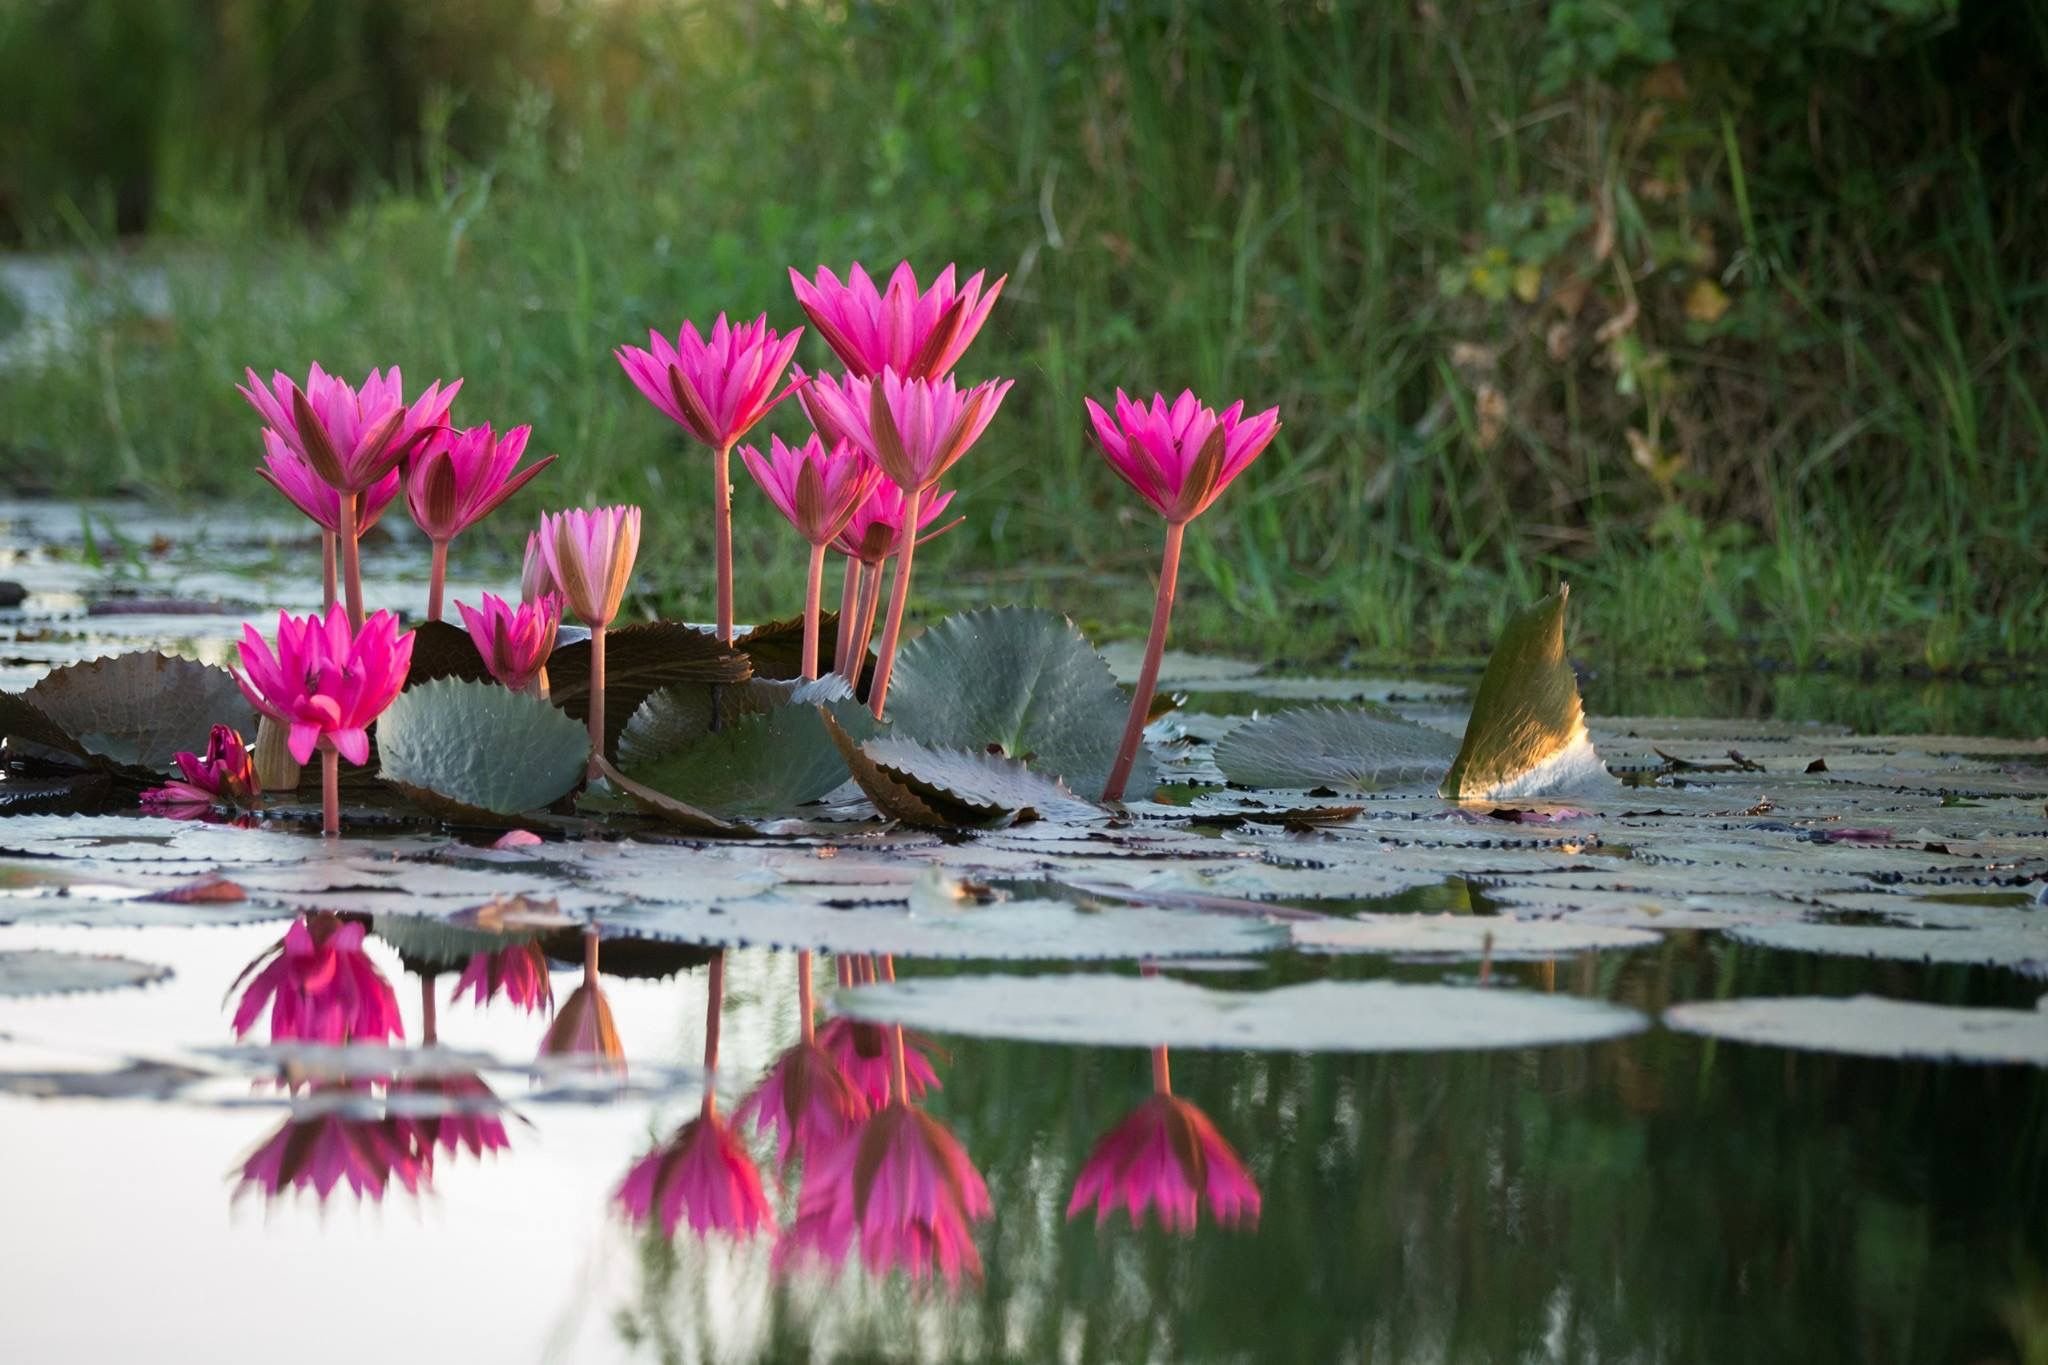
(454, 1113)
(915, 429)
(872, 532)
(1167, 1159)
(351, 437)
(1180, 456)
(514, 641)
(325, 681)
(290, 474)
(702, 1173)
(535, 581)
(818, 488)
(717, 387)
(583, 1029)
(462, 477)
(519, 973)
(320, 985)
(807, 1100)
(862, 1052)
(922, 335)
(903, 1190)
(589, 554)
(325, 1145)
(226, 775)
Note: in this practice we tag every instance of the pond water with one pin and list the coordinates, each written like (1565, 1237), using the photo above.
(1653, 1196)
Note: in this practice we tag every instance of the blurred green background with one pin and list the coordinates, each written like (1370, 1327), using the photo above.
(1730, 311)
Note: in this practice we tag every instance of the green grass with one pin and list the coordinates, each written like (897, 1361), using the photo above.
(1327, 209)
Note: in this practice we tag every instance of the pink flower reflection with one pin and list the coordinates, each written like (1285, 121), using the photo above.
(339, 1135)
(807, 1100)
(519, 973)
(862, 1052)
(702, 1173)
(454, 1113)
(1166, 1158)
(320, 985)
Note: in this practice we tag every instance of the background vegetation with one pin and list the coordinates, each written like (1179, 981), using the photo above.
(1728, 310)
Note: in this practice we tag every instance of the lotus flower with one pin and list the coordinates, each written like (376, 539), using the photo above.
(715, 388)
(862, 1052)
(702, 1172)
(227, 774)
(589, 554)
(900, 1186)
(535, 581)
(919, 335)
(817, 488)
(453, 1113)
(915, 429)
(1166, 1158)
(876, 526)
(351, 437)
(1180, 456)
(808, 1101)
(320, 985)
(325, 681)
(583, 1028)
(325, 1144)
(514, 641)
(519, 973)
(459, 479)
(292, 475)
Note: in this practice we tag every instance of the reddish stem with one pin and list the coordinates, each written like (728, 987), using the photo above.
(902, 1076)
(713, 1006)
(590, 957)
(1148, 676)
(806, 997)
(330, 790)
(899, 597)
(849, 603)
(870, 603)
(844, 965)
(596, 700)
(351, 560)
(327, 569)
(437, 576)
(814, 589)
(1162, 1075)
(429, 1017)
(721, 465)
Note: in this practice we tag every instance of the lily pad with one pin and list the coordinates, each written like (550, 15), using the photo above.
(481, 746)
(1871, 1026)
(1324, 1016)
(1016, 683)
(1465, 936)
(39, 971)
(639, 660)
(951, 788)
(1357, 748)
(2014, 939)
(134, 711)
(776, 648)
(441, 649)
(1527, 734)
(760, 765)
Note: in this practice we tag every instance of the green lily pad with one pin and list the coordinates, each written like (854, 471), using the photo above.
(481, 746)
(133, 711)
(1527, 734)
(683, 713)
(776, 648)
(38, 971)
(639, 660)
(1355, 748)
(1325, 1016)
(1870, 1026)
(1017, 683)
(951, 788)
(441, 649)
(759, 765)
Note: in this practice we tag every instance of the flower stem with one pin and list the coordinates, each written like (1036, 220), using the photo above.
(899, 597)
(429, 1018)
(814, 589)
(870, 603)
(806, 997)
(714, 1006)
(722, 522)
(849, 604)
(330, 790)
(327, 567)
(351, 561)
(437, 576)
(596, 700)
(1148, 676)
(1162, 1075)
(901, 1079)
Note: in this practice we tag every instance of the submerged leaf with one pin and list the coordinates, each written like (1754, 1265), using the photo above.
(38, 971)
(1325, 1016)
(1870, 1026)
(1018, 683)
(1360, 749)
(134, 711)
(481, 746)
(1527, 734)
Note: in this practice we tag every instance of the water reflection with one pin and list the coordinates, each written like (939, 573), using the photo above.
(1166, 1159)
(519, 973)
(806, 1098)
(340, 1133)
(320, 985)
(583, 1028)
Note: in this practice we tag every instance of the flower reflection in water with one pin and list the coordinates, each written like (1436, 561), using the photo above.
(340, 1132)
(703, 1173)
(1167, 1158)
(519, 973)
(454, 1112)
(863, 1051)
(806, 1098)
(900, 1186)
(320, 985)
(583, 1027)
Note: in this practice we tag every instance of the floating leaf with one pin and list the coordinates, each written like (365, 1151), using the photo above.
(1325, 1016)
(1017, 683)
(444, 650)
(1361, 749)
(481, 746)
(38, 971)
(951, 788)
(1497, 936)
(638, 660)
(1871, 1026)
(2014, 939)
(134, 711)
(759, 765)
(663, 807)
(776, 648)
(138, 1080)
(1527, 734)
